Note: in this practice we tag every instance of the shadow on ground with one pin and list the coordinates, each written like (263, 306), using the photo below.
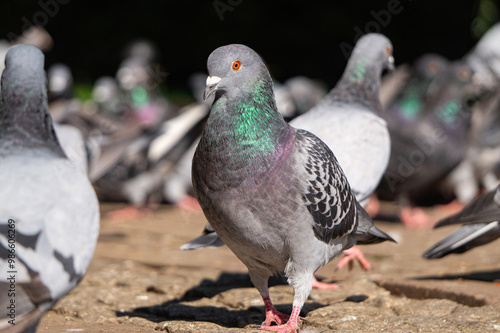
(487, 276)
(177, 309)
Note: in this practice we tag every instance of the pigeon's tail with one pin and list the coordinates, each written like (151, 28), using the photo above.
(367, 233)
(206, 240)
(464, 239)
(373, 236)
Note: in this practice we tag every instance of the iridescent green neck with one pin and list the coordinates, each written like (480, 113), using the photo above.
(247, 130)
(362, 76)
(449, 112)
(411, 104)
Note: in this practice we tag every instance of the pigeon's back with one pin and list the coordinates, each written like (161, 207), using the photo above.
(49, 217)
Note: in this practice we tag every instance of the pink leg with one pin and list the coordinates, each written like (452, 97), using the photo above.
(323, 286)
(354, 253)
(373, 206)
(290, 327)
(415, 218)
(273, 315)
(129, 213)
(188, 203)
(452, 208)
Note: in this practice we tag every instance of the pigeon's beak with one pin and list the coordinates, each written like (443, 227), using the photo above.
(390, 65)
(212, 83)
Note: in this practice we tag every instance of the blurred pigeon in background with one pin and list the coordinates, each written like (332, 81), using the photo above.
(417, 88)
(484, 59)
(305, 92)
(425, 149)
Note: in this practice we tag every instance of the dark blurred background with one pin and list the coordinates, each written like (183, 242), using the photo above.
(294, 37)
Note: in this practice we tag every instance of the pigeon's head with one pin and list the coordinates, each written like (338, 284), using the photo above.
(60, 80)
(233, 67)
(375, 46)
(23, 63)
(430, 65)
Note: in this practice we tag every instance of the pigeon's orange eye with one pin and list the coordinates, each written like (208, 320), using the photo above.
(388, 50)
(236, 65)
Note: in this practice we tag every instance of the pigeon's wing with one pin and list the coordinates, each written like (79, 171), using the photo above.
(484, 209)
(464, 239)
(328, 196)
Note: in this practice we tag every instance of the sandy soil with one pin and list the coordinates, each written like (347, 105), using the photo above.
(139, 281)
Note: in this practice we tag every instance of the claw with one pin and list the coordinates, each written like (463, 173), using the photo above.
(354, 253)
(324, 286)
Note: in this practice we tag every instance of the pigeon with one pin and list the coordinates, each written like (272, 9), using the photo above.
(60, 82)
(148, 105)
(196, 83)
(49, 217)
(484, 59)
(349, 118)
(274, 194)
(481, 219)
(426, 149)
(106, 96)
(297, 95)
(348, 121)
(177, 186)
(284, 100)
(409, 102)
(305, 92)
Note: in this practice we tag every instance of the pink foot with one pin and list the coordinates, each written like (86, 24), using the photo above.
(273, 315)
(129, 213)
(324, 286)
(188, 203)
(290, 327)
(373, 206)
(354, 253)
(415, 218)
(452, 208)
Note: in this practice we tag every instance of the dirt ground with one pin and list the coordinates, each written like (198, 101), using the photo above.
(139, 281)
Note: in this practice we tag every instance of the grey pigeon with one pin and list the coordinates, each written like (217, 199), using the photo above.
(424, 150)
(274, 194)
(305, 92)
(60, 82)
(481, 219)
(49, 217)
(297, 95)
(409, 102)
(177, 185)
(347, 121)
(348, 118)
(284, 100)
(484, 59)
